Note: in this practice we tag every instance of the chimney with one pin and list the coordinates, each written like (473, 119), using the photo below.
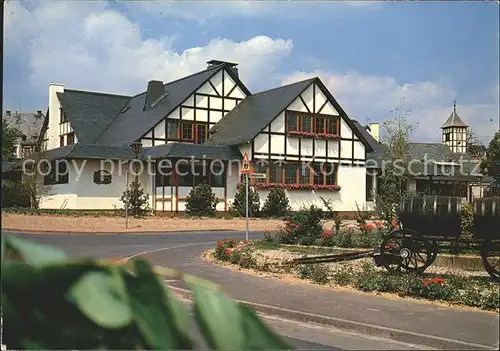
(54, 115)
(154, 93)
(375, 131)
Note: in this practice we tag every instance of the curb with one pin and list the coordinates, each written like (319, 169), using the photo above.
(359, 327)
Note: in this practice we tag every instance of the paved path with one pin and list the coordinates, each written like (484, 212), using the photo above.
(413, 322)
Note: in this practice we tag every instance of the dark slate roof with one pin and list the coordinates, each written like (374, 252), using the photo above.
(82, 151)
(431, 151)
(184, 150)
(28, 124)
(90, 112)
(254, 113)
(134, 122)
(379, 153)
(454, 120)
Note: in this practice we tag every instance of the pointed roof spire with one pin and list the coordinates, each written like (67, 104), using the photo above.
(454, 120)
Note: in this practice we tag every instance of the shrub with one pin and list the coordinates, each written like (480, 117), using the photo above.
(201, 201)
(276, 204)
(467, 218)
(361, 218)
(136, 201)
(303, 227)
(317, 273)
(238, 205)
(14, 194)
(110, 306)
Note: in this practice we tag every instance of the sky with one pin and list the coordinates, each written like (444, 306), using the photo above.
(370, 55)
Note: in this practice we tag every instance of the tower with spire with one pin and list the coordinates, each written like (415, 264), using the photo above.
(455, 132)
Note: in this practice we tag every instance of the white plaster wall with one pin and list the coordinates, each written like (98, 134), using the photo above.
(81, 193)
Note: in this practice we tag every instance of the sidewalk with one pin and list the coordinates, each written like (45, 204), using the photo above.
(404, 320)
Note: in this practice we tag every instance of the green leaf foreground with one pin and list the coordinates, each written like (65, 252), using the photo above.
(51, 302)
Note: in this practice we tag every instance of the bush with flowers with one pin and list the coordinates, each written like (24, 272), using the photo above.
(302, 228)
(234, 252)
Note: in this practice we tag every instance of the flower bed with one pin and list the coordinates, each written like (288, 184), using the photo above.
(314, 135)
(473, 289)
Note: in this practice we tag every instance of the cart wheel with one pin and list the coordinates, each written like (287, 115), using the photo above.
(490, 254)
(407, 250)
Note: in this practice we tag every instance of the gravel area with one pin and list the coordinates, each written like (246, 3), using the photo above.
(102, 224)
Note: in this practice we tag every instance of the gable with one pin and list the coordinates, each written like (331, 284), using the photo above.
(90, 113)
(134, 123)
(204, 107)
(255, 112)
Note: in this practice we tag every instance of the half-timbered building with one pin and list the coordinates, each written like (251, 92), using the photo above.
(195, 130)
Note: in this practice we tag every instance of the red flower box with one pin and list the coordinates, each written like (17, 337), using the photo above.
(296, 186)
(314, 135)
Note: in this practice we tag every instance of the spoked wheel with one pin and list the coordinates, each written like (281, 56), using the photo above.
(490, 254)
(407, 250)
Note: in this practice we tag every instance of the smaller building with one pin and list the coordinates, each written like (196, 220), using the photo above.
(29, 125)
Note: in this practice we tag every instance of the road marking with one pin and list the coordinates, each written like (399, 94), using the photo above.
(308, 314)
(128, 258)
(474, 345)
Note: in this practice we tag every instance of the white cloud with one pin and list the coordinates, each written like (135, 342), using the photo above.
(206, 11)
(369, 96)
(87, 45)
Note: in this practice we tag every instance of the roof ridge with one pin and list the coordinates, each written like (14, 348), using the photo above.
(94, 93)
(193, 74)
(284, 86)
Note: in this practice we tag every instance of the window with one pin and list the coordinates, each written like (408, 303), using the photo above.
(369, 187)
(293, 122)
(59, 174)
(306, 123)
(70, 138)
(163, 176)
(218, 175)
(23, 137)
(201, 133)
(184, 175)
(187, 131)
(62, 116)
(275, 173)
(102, 176)
(332, 126)
(319, 176)
(330, 174)
(173, 130)
(447, 137)
(291, 174)
(201, 174)
(61, 141)
(305, 175)
(319, 125)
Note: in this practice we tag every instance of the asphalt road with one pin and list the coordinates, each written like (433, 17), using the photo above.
(182, 251)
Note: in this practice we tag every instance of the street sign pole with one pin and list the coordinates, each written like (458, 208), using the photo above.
(246, 206)
(126, 200)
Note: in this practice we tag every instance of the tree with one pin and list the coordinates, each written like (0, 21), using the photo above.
(34, 184)
(276, 204)
(238, 205)
(10, 135)
(491, 164)
(136, 201)
(201, 201)
(392, 182)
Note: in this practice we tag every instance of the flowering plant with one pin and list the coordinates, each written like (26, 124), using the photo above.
(314, 135)
(297, 186)
(436, 280)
